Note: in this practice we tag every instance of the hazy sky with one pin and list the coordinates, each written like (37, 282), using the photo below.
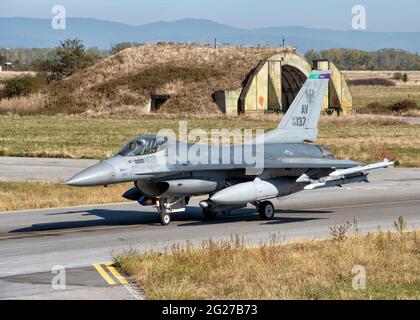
(382, 15)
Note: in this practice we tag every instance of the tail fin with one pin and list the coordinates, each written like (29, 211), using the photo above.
(300, 122)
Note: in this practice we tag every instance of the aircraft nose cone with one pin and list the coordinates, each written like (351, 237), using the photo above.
(97, 175)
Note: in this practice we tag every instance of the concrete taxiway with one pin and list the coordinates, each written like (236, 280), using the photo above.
(33, 242)
(40, 169)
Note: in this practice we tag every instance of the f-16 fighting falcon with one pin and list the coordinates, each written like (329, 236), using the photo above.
(291, 161)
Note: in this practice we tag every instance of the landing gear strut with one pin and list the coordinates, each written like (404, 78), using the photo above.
(166, 206)
(266, 210)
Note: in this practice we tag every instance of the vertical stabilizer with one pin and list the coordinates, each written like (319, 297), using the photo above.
(300, 122)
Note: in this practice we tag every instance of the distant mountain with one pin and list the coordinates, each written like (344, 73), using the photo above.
(27, 33)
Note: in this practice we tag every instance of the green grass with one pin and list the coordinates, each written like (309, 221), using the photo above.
(98, 138)
(301, 270)
(94, 138)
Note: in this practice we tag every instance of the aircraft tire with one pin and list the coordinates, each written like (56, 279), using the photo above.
(266, 210)
(165, 218)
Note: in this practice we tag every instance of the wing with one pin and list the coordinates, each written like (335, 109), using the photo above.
(283, 163)
(309, 163)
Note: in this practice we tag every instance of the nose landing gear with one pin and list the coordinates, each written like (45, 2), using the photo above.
(165, 218)
(167, 206)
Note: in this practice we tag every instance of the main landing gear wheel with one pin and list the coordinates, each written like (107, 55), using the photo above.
(266, 210)
(165, 218)
(209, 214)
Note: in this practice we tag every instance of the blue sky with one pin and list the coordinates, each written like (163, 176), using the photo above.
(382, 15)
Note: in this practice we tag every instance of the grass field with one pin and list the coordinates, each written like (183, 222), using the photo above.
(94, 138)
(302, 270)
(364, 95)
(38, 195)
(363, 138)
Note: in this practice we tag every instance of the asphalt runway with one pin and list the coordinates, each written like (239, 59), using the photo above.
(33, 242)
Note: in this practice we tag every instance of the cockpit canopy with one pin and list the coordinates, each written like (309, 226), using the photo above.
(143, 145)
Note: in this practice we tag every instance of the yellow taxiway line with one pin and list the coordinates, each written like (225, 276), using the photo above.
(104, 274)
(116, 274)
(103, 269)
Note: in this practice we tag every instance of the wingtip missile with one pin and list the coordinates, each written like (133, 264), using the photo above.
(362, 169)
(338, 182)
(346, 176)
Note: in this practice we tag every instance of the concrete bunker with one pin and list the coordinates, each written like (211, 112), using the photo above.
(157, 100)
(292, 80)
(274, 83)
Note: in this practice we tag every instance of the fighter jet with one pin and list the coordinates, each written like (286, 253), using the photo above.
(292, 162)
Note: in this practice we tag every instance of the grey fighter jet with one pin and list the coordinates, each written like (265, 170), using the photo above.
(165, 177)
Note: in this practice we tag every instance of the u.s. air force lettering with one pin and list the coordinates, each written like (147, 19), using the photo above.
(310, 96)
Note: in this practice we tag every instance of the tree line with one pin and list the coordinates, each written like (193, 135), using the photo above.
(384, 59)
(349, 59)
(51, 65)
(37, 59)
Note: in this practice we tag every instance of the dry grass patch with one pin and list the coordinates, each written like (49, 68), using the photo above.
(7, 75)
(304, 270)
(38, 195)
(382, 95)
(370, 142)
(413, 76)
(24, 104)
(365, 95)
